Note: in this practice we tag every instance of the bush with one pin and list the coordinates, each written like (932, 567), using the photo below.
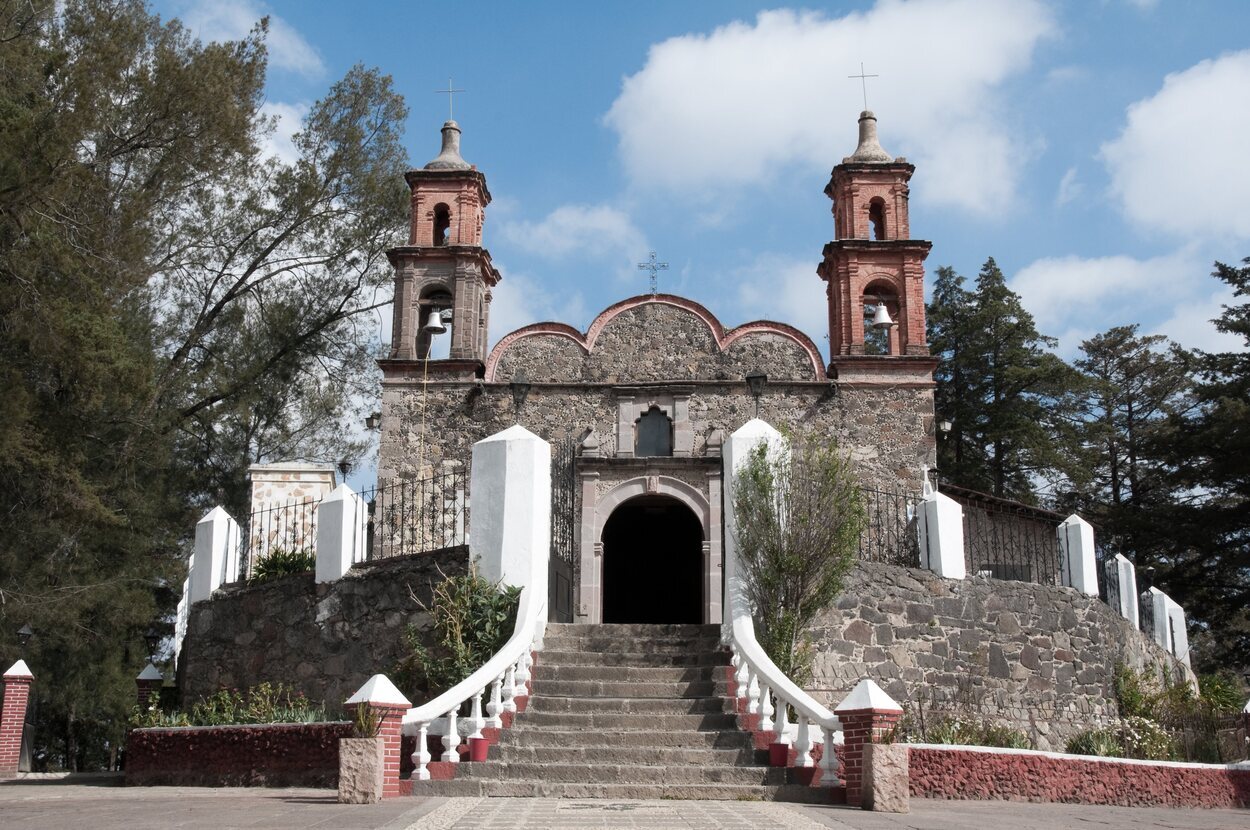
(1143, 738)
(953, 729)
(281, 562)
(1101, 742)
(262, 703)
(473, 619)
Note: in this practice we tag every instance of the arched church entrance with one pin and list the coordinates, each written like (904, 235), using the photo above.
(653, 562)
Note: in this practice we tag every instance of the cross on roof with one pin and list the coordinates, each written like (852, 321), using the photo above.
(862, 80)
(449, 92)
(654, 267)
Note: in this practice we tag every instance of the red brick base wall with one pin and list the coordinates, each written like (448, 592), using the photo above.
(1042, 776)
(277, 755)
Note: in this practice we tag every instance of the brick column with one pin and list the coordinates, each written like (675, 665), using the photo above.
(17, 682)
(148, 686)
(866, 714)
(380, 695)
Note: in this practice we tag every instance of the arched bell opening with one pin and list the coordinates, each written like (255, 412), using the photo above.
(442, 224)
(433, 326)
(881, 310)
(653, 562)
(876, 218)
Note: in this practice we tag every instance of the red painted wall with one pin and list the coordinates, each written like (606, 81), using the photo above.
(272, 755)
(968, 774)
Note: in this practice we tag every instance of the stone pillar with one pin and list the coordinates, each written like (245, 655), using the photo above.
(380, 695)
(340, 533)
(1169, 618)
(215, 561)
(1127, 577)
(148, 686)
(866, 715)
(942, 527)
(1079, 567)
(511, 485)
(17, 682)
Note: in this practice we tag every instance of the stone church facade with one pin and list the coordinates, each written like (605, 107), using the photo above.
(638, 404)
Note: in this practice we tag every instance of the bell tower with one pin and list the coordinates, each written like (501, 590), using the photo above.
(874, 270)
(444, 269)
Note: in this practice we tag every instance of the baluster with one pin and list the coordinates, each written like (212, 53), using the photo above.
(740, 678)
(422, 755)
(803, 744)
(495, 706)
(509, 689)
(753, 693)
(451, 738)
(766, 708)
(829, 760)
(476, 721)
(523, 673)
(782, 721)
(518, 683)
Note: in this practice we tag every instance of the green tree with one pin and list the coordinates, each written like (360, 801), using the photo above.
(999, 385)
(798, 518)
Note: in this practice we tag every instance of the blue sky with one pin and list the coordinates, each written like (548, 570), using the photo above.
(1096, 149)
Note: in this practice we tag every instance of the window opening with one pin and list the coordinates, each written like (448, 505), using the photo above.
(654, 434)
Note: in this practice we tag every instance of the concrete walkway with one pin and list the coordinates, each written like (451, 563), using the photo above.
(102, 804)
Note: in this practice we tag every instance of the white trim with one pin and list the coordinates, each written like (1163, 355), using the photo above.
(1065, 756)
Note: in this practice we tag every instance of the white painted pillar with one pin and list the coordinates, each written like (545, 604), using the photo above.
(216, 558)
(1080, 568)
(942, 526)
(1128, 589)
(735, 454)
(340, 533)
(510, 484)
(1170, 632)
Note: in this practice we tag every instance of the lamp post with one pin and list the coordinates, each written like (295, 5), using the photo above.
(520, 391)
(153, 639)
(24, 634)
(756, 381)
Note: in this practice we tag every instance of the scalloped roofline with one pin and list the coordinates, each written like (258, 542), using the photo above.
(723, 337)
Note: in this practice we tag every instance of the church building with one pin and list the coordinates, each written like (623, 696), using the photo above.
(637, 406)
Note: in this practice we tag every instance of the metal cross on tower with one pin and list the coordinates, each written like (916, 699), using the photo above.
(654, 267)
(449, 92)
(862, 80)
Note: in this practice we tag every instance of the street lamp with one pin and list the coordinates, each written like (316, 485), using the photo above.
(153, 639)
(24, 634)
(520, 391)
(756, 381)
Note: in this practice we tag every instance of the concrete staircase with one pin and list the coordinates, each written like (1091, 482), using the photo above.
(629, 711)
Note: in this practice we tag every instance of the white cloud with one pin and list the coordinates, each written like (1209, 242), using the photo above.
(519, 301)
(288, 118)
(592, 231)
(1178, 166)
(786, 290)
(1191, 325)
(1076, 297)
(1069, 188)
(731, 107)
(222, 20)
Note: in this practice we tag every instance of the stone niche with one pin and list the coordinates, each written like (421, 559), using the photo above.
(1036, 657)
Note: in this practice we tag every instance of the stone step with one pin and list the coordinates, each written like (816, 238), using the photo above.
(597, 754)
(627, 722)
(629, 674)
(612, 645)
(712, 792)
(633, 630)
(626, 688)
(524, 735)
(622, 773)
(543, 703)
(555, 657)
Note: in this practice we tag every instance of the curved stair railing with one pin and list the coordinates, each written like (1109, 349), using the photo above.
(502, 679)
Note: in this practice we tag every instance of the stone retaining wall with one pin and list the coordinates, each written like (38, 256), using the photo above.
(323, 639)
(1023, 775)
(1037, 657)
(269, 755)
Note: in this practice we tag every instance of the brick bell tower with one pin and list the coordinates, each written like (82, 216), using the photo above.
(872, 264)
(444, 267)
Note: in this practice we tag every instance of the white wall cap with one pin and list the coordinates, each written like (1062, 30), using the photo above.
(216, 514)
(756, 427)
(1074, 519)
(1156, 592)
(340, 493)
(379, 689)
(868, 695)
(1119, 557)
(19, 669)
(513, 433)
(293, 467)
(151, 673)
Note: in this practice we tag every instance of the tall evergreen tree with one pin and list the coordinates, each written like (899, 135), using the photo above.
(999, 386)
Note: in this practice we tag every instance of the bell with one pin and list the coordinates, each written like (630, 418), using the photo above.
(881, 320)
(434, 323)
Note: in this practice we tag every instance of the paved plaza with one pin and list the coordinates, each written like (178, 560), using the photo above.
(99, 804)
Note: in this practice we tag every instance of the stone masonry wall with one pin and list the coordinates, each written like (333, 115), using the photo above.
(324, 639)
(1037, 657)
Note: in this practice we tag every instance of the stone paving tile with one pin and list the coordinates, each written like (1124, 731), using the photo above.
(592, 814)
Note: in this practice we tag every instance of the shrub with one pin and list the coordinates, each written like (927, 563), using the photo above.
(262, 703)
(954, 729)
(1145, 739)
(281, 562)
(1101, 742)
(473, 618)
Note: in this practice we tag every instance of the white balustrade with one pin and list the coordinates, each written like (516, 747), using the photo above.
(422, 756)
(495, 708)
(451, 738)
(509, 689)
(766, 708)
(753, 693)
(476, 721)
(803, 743)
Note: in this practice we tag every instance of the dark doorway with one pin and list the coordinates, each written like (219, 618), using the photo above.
(652, 563)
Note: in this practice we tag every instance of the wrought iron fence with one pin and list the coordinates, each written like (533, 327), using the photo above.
(1146, 614)
(564, 494)
(1109, 588)
(280, 528)
(891, 534)
(416, 515)
(1008, 540)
